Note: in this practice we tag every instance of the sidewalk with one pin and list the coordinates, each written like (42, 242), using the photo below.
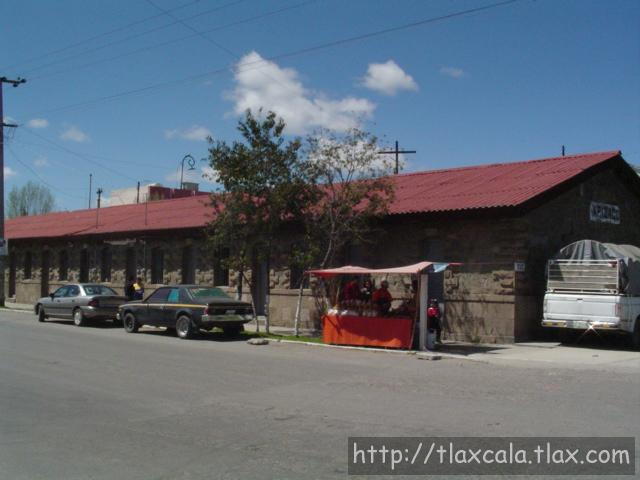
(18, 306)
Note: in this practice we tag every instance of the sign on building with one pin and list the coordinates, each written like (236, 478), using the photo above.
(604, 212)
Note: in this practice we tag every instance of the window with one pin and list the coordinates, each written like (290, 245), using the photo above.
(61, 292)
(105, 264)
(174, 295)
(157, 265)
(188, 267)
(84, 265)
(73, 291)
(98, 290)
(28, 260)
(197, 293)
(159, 296)
(131, 263)
(63, 265)
(296, 276)
(220, 273)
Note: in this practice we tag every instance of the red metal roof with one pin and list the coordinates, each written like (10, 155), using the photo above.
(484, 186)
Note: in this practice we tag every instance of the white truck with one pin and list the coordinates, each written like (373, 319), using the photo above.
(594, 286)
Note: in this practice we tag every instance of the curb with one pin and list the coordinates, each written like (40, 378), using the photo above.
(419, 355)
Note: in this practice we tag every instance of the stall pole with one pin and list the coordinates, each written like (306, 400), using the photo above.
(422, 305)
(298, 308)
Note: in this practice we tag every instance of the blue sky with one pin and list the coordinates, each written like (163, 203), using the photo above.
(514, 82)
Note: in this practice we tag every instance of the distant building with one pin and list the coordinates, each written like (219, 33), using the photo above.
(501, 221)
(152, 192)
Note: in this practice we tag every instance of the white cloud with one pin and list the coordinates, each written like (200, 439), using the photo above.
(74, 134)
(194, 132)
(41, 161)
(38, 123)
(264, 84)
(388, 78)
(9, 120)
(9, 172)
(452, 72)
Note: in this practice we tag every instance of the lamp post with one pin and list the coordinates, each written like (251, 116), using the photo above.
(191, 162)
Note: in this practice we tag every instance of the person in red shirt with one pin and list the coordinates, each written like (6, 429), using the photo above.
(351, 292)
(434, 319)
(382, 298)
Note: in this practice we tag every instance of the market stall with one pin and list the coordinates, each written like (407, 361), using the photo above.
(367, 318)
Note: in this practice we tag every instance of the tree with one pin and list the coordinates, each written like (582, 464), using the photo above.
(264, 185)
(356, 191)
(30, 199)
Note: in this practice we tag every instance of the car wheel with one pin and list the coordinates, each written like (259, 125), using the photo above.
(78, 318)
(184, 327)
(41, 315)
(635, 336)
(233, 331)
(130, 323)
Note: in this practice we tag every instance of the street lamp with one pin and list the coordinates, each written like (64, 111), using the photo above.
(191, 162)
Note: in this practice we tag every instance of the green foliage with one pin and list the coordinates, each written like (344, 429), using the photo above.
(264, 184)
(356, 191)
(30, 199)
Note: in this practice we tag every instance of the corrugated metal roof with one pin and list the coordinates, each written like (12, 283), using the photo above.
(488, 186)
(484, 186)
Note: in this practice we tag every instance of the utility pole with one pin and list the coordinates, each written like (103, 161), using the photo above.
(99, 192)
(14, 83)
(90, 181)
(138, 193)
(397, 152)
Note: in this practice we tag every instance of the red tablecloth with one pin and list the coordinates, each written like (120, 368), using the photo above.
(394, 332)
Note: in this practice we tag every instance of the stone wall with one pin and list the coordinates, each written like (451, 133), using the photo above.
(485, 299)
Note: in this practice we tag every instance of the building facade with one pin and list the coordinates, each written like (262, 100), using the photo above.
(500, 222)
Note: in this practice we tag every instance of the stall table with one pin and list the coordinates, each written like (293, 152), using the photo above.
(392, 332)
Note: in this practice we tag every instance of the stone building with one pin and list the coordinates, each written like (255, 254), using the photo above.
(501, 221)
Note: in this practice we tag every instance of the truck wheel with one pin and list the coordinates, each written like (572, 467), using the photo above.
(233, 331)
(41, 315)
(184, 327)
(635, 336)
(567, 336)
(130, 323)
(78, 318)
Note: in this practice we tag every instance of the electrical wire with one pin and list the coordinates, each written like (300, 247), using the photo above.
(95, 37)
(83, 157)
(131, 37)
(258, 63)
(28, 167)
(173, 41)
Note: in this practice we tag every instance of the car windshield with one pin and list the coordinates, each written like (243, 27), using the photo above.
(98, 290)
(207, 292)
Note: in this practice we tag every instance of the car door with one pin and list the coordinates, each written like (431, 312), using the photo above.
(170, 309)
(69, 301)
(53, 306)
(153, 314)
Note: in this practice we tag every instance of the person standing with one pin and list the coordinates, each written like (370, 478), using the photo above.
(382, 298)
(129, 289)
(138, 288)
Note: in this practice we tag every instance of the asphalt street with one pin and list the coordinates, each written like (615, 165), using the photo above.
(97, 403)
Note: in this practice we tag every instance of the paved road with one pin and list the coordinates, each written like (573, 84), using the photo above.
(79, 403)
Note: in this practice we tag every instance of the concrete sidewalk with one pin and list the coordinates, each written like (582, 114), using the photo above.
(600, 353)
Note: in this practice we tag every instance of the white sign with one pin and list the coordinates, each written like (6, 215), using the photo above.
(519, 266)
(605, 213)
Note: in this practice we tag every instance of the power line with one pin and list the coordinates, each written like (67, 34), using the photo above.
(95, 37)
(83, 157)
(131, 37)
(294, 53)
(229, 52)
(36, 175)
(199, 33)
